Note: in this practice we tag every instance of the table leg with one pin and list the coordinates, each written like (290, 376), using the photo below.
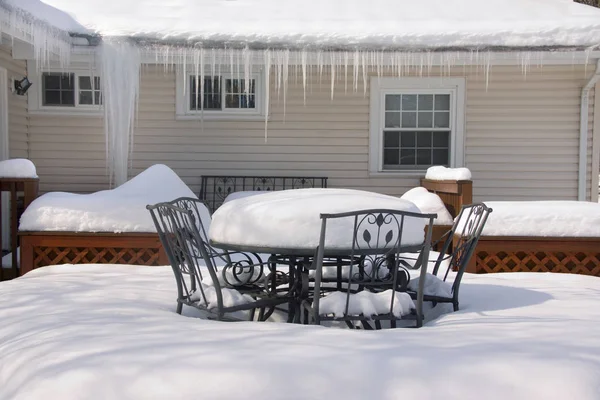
(293, 290)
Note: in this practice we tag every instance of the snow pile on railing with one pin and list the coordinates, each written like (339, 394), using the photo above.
(118, 210)
(441, 173)
(17, 168)
(543, 219)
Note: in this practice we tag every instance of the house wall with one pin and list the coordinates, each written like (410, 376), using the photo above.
(521, 136)
(17, 106)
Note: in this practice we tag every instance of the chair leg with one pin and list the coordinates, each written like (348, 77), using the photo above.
(261, 313)
(455, 304)
(377, 324)
(251, 316)
(179, 308)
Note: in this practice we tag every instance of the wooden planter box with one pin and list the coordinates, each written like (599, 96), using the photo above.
(40, 249)
(536, 254)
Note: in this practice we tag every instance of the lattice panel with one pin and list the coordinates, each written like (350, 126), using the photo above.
(539, 261)
(43, 256)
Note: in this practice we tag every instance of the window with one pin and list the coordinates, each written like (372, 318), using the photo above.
(224, 96)
(66, 91)
(415, 123)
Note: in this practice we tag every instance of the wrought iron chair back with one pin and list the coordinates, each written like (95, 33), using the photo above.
(378, 238)
(179, 234)
(182, 230)
(462, 238)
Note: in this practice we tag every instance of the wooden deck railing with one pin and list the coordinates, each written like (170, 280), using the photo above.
(16, 187)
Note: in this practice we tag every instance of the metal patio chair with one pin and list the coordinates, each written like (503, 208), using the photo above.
(372, 269)
(235, 279)
(459, 244)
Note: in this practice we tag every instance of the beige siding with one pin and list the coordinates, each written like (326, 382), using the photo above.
(17, 106)
(521, 136)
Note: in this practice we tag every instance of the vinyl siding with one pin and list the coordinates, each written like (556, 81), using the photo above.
(521, 140)
(17, 106)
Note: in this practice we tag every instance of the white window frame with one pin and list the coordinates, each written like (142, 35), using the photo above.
(182, 101)
(35, 94)
(382, 86)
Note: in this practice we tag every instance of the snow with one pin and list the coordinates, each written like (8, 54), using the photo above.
(122, 209)
(352, 23)
(291, 219)
(543, 218)
(366, 303)
(231, 297)
(111, 332)
(17, 168)
(429, 203)
(242, 194)
(441, 173)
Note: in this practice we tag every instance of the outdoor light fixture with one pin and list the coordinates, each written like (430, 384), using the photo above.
(22, 86)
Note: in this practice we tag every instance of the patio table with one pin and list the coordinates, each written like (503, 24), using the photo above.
(287, 224)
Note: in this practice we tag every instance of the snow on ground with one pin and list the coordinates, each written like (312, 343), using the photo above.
(111, 332)
(291, 219)
(122, 209)
(17, 168)
(390, 23)
(543, 218)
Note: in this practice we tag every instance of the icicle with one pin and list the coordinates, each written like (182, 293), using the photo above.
(121, 61)
(364, 73)
(267, 62)
(247, 69)
(356, 61)
(333, 63)
(286, 65)
(303, 63)
(320, 66)
(488, 66)
(346, 72)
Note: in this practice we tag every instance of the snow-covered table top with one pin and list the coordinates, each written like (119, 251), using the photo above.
(288, 222)
(543, 219)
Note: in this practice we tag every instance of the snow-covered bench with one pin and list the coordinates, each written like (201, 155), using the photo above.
(540, 236)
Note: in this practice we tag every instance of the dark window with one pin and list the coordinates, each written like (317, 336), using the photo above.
(58, 89)
(233, 92)
(417, 131)
(89, 91)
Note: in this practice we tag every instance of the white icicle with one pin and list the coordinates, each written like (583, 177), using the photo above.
(346, 72)
(267, 56)
(303, 62)
(286, 68)
(333, 66)
(121, 62)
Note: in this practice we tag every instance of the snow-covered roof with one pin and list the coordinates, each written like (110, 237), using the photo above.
(398, 24)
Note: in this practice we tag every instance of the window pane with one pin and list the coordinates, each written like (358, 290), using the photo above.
(67, 98)
(442, 102)
(392, 102)
(423, 157)
(86, 97)
(392, 120)
(409, 102)
(50, 81)
(66, 81)
(246, 101)
(97, 83)
(232, 101)
(212, 94)
(407, 157)
(424, 139)
(85, 83)
(212, 101)
(425, 102)
(391, 157)
(441, 139)
(441, 157)
(409, 139)
(409, 119)
(51, 98)
(442, 120)
(425, 119)
(97, 97)
(391, 139)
